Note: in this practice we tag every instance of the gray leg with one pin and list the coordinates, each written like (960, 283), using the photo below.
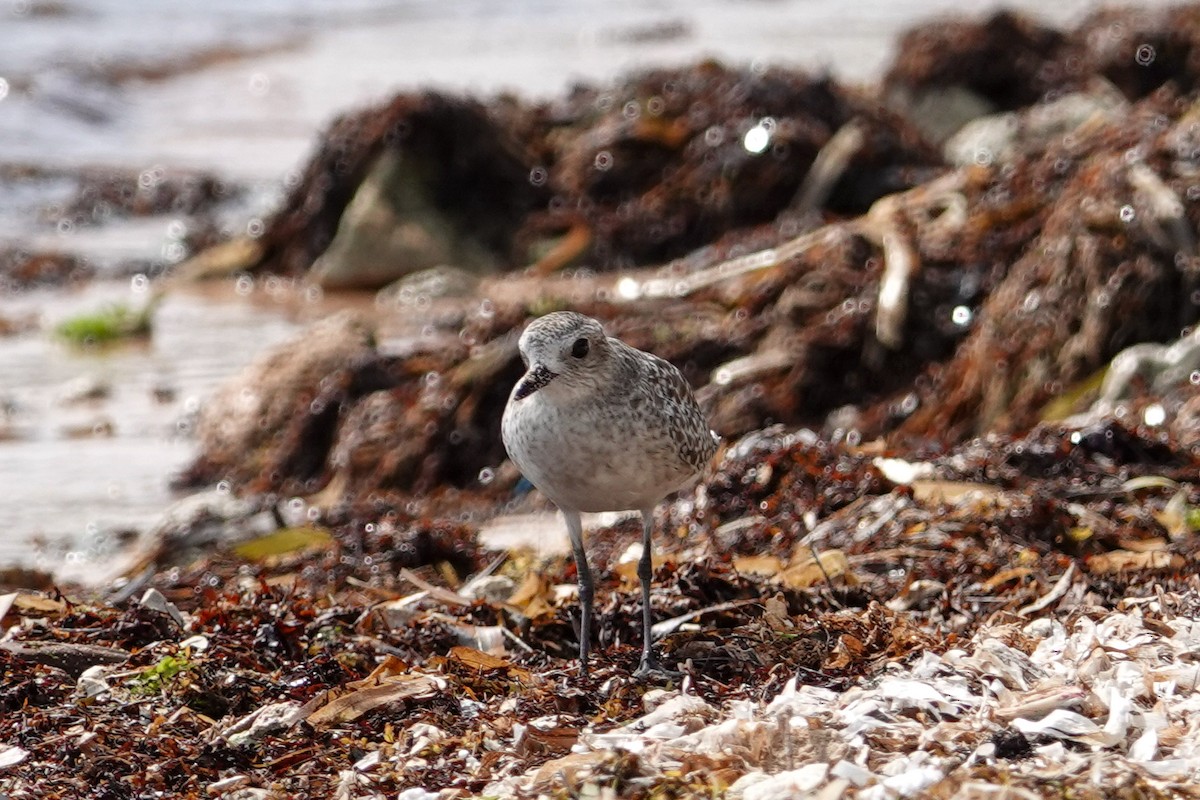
(587, 589)
(645, 571)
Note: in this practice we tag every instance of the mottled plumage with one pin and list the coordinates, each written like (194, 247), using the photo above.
(597, 425)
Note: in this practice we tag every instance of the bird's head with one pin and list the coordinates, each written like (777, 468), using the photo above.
(563, 350)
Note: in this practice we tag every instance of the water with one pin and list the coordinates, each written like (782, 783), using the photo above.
(73, 469)
(241, 88)
(277, 71)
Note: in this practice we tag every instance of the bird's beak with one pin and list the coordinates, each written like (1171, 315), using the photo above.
(534, 379)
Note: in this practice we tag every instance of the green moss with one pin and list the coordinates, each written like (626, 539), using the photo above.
(112, 323)
(153, 680)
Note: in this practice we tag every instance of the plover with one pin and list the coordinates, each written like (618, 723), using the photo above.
(597, 425)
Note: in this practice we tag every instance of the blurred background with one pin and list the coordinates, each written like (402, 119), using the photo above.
(220, 103)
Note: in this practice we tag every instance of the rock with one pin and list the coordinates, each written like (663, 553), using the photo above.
(939, 113)
(219, 261)
(948, 71)
(452, 161)
(420, 287)
(84, 389)
(999, 138)
(154, 600)
(394, 227)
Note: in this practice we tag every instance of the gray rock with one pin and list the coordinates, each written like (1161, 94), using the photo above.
(939, 113)
(998, 138)
(154, 600)
(417, 289)
(393, 228)
(84, 389)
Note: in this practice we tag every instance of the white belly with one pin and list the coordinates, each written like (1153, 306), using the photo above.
(592, 462)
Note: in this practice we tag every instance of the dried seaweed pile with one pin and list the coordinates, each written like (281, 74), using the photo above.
(633, 174)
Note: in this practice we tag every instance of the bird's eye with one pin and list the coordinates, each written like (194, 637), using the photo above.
(580, 348)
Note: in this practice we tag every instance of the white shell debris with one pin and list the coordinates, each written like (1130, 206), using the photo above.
(92, 682)
(417, 793)
(227, 785)
(11, 755)
(154, 600)
(1119, 689)
(265, 721)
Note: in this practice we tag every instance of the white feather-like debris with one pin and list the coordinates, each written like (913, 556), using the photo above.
(1083, 699)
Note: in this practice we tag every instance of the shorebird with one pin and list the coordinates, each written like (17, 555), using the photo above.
(597, 425)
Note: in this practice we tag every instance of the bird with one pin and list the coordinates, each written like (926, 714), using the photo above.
(597, 425)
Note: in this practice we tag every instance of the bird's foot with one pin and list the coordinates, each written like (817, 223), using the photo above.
(651, 669)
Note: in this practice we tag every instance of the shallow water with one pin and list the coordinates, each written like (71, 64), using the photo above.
(241, 88)
(74, 468)
(276, 71)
